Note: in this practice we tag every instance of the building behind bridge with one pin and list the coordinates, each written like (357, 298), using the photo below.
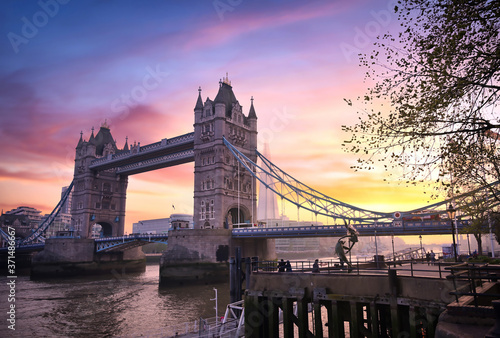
(163, 225)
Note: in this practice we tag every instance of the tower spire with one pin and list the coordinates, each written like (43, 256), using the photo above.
(92, 137)
(80, 141)
(125, 147)
(251, 113)
(199, 102)
(226, 80)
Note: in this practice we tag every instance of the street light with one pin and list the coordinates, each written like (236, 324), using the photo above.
(468, 244)
(451, 214)
(393, 254)
(421, 249)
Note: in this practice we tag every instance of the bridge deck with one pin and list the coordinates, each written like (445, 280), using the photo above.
(396, 228)
(121, 243)
(166, 150)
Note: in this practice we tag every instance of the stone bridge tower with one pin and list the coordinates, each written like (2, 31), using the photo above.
(224, 192)
(98, 196)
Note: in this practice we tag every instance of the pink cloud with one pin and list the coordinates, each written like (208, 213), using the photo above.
(243, 22)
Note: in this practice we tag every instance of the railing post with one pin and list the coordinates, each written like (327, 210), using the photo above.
(454, 282)
(232, 279)
(495, 330)
(472, 283)
(255, 264)
(248, 272)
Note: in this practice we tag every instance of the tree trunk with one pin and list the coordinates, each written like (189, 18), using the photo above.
(479, 244)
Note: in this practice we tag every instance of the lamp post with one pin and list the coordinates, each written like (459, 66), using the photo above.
(376, 249)
(468, 245)
(451, 214)
(421, 248)
(393, 254)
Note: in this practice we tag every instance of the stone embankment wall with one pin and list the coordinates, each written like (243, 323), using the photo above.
(64, 257)
(202, 255)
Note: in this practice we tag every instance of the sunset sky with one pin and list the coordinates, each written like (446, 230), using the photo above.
(67, 66)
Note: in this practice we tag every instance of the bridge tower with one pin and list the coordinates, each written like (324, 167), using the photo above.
(98, 196)
(224, 192)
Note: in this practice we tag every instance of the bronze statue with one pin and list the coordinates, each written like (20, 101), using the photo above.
(341, 250)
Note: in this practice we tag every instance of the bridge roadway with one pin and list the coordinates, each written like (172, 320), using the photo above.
(162, 154)
(105, 244)
(108, 244)
(383, 229)
(398, 228)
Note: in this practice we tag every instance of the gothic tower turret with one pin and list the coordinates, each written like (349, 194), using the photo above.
(224, 192)
(98, 197)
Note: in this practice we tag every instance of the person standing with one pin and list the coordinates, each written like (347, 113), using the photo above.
(281, 266)
(316, 266)
(433, 257)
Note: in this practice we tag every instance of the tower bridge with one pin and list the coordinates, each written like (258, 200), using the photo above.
(223, 147)
(222, 196)
(158, 155)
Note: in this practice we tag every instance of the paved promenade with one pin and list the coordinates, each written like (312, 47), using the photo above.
(422, 270)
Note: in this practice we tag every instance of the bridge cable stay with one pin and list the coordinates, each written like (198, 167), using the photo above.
(37, 233)
(427, 210)
(4, 235)
(314, 201)
(300, 194)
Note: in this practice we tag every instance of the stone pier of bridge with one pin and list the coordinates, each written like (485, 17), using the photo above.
(67, 257)
(202, 255)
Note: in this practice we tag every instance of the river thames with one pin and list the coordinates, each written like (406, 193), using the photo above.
(120, 305)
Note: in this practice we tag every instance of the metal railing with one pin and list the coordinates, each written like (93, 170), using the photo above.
(405, 268)
(202, 328)
(480, 282)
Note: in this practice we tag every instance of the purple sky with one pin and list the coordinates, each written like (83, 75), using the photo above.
(67, 66)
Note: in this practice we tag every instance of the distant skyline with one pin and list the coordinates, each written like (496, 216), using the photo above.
(68, 66)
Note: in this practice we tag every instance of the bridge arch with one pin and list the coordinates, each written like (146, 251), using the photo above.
(103, 229)
(234, 217)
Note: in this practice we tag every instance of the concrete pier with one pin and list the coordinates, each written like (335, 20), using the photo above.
(371, 305)
(66, 257)
(202, 255)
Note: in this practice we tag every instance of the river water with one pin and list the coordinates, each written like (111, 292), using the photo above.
(118, 305)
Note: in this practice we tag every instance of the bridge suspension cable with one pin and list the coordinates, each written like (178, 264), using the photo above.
(292, 190)
(38, 232)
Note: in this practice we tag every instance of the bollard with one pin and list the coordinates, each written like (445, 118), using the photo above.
(239, 276)
(495, 330)
(248, 272)
(232, 280)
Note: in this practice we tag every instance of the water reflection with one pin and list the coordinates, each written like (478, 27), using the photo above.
(125, 304)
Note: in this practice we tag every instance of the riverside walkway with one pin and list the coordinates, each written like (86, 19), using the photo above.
(368, 301)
